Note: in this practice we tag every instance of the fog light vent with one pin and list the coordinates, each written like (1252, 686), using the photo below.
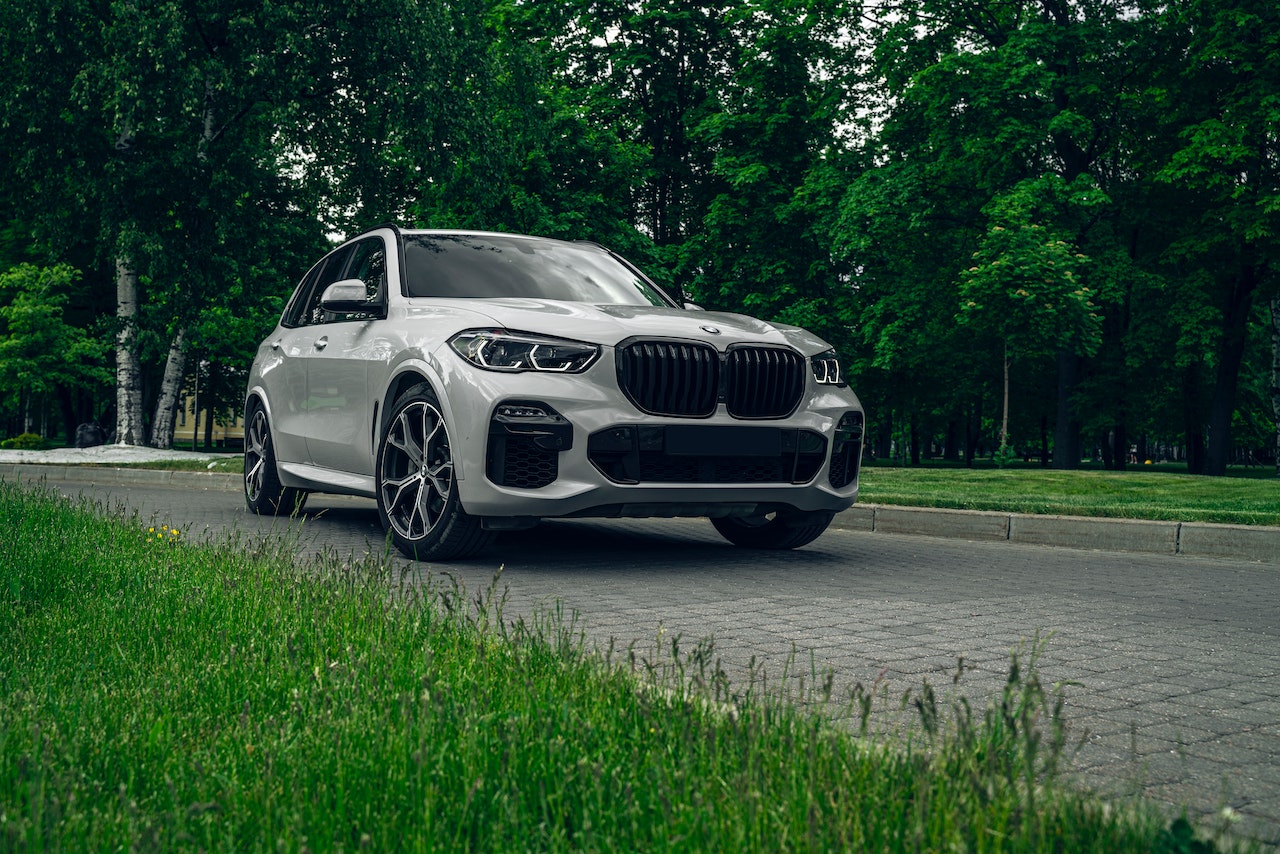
(525, 441)
(846, 450)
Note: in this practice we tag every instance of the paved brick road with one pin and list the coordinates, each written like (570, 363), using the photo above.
(1178, 658)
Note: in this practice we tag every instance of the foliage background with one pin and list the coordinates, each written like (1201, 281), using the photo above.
(1058, 216)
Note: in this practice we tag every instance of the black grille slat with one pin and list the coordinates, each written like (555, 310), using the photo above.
(764, 382)
(670, 378)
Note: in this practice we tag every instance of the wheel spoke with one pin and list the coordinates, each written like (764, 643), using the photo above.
(438, 465)
(403, 439)
(255, 475)
(393, 492)
(423, 509)
(441, 478)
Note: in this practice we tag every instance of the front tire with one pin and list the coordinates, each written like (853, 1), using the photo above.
(781, 530)
(417, 496)
(264, 494)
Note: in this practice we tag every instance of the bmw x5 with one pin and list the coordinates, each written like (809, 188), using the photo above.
(474, 382)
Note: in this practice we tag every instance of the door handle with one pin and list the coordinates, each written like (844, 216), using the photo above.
(322, 342)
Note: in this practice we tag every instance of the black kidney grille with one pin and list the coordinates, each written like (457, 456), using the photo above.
(683, 379)
(763, 382)
(670, 378)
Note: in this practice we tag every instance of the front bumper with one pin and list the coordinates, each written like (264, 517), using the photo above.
(537, 445)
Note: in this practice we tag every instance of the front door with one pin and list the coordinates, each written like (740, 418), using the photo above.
(342, 350)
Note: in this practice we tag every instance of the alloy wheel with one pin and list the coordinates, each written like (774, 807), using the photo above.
(417, 470)
(255, 454)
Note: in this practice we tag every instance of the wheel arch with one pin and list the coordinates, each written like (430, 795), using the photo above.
(399, 384)
(255, 399)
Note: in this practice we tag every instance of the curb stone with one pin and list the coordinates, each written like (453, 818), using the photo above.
(1194, 539)
(120, 476)
(1260, 544)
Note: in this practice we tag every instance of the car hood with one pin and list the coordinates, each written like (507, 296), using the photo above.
(612, 324)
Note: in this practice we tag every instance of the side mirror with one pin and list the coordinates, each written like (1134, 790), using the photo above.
(346, 295)
(693, 306)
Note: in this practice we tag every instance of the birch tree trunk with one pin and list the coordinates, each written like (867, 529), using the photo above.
(129, 428)
(166, 411)
(170, 391)
(1275, 372)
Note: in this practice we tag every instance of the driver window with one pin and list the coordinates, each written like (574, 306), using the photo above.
(365, 261)
(369, 265)
(331, 273)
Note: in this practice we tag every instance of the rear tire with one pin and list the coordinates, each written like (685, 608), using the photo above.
(780, 530)
(264, 494)
(417, 496)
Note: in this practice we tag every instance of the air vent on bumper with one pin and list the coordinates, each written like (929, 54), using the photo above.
(525, 441)
(643, 453)
(846, 450)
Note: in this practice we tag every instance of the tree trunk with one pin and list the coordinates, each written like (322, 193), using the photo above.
(1235, 323)
(1275, 373)
(1066, 430)
(1044, 441)
(884, 437)
(915, 440)
(1004, 418)
(972, 433)
(129, 426)
(208, 423)
(170, 392)
(1193, 418)
(951, 449)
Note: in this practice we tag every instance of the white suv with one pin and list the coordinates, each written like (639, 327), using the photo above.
(474, 382)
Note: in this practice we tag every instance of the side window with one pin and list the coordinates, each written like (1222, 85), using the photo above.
(328, 274)
(366, 261)
(295, 314)
(369, 264)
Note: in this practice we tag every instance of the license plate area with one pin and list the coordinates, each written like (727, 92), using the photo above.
(722, 441)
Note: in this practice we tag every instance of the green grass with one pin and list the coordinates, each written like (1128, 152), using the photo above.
(227, 465)
(162, 695)
(1142, 494)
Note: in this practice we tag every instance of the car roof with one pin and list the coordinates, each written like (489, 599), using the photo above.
(467, 232)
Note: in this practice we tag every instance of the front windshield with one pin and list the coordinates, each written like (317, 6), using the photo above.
(489, 266)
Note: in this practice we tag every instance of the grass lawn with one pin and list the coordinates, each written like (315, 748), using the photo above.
(163, 695)
(1247, 498)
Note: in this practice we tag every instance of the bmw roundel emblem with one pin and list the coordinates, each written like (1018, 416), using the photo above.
(711, 330)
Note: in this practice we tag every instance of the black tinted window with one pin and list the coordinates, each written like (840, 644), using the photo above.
(369, 265)
(295, 311)
(304, 309)
(332, 271)
(489, 266)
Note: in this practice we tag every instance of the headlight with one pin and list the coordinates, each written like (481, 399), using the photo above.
(826, 368)
(504, 350)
